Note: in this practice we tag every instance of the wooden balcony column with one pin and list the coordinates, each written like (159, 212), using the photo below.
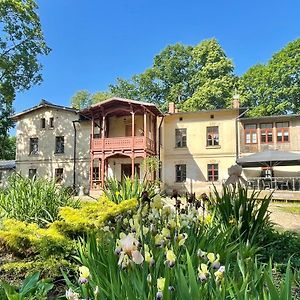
(103, 132)
(102, 170)
(132, 143)
(145, 129)
(92, 153)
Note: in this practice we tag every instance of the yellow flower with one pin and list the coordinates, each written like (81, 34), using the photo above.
(220, 273)
(172, 224)
(203, 272)
(214, 260)
(166, 233)
(182, 238)
(171, 258)
(161, 283)
(208, 219)
(157, 202)
(84, 272)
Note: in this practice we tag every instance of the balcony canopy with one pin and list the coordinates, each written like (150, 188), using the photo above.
(119, 107)
(270, 158)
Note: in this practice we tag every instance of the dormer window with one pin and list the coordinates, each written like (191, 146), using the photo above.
(43, 123)
(51, 122)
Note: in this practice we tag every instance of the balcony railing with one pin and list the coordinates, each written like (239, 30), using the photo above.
(276, 183)
(122, 143)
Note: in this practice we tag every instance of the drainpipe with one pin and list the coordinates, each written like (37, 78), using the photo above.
(159, 140)
(74, 153)
(237, 133)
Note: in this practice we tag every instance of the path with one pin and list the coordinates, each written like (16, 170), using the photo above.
(283, 219)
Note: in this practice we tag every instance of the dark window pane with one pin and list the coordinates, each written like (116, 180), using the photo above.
(180, 137)
(60, 145)
(34, 146)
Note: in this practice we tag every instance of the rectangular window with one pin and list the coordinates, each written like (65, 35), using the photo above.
(250, 133)
(59, 145)
(43, 123)
(32, 173)
(266, 133)
(59, 174)
(1, 176)
(96, 173)
(51, 122)
(33, 146)
(212, 136)
(213, 172)
(180, 137)
(180, 173)
(282, 132)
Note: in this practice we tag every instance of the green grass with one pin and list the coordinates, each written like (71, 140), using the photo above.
(289, 208)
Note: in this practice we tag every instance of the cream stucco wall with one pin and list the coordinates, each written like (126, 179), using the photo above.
(46, 161)
(197, 155)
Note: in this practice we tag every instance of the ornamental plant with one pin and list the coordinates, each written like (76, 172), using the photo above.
(34, 200)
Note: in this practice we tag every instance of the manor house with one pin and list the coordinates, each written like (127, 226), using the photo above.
(114, 137)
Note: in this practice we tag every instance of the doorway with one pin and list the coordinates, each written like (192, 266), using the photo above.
(126, 170)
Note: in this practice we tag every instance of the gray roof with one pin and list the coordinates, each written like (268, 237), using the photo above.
(42, 104)
(288, 116)
(270, 158)
(7, 164)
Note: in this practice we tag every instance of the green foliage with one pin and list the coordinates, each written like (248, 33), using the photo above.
(32, 288)
(9, 150)
(128, 188)
(248, 216)
(199, 77)
(92, 215)
(83, 99)
(49, 268)
(282, 247)
(274, 87)
(21, 43)
(27, 239)
(34, 200)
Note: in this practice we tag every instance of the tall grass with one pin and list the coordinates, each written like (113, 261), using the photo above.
(34, 200)
(128, 188)
(247, 214)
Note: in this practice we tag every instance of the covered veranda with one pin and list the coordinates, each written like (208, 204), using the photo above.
(271, 171)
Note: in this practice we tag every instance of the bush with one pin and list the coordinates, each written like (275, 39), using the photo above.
(27, 239)
(92, 215)
(34, 200)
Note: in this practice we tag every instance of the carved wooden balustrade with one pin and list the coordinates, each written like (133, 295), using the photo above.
(123, 143)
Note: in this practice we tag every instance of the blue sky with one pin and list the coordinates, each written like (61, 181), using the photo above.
(94, 41)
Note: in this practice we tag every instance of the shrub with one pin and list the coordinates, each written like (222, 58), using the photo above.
(27, 239)
(34, 200)
(92, 215)
(246, 214)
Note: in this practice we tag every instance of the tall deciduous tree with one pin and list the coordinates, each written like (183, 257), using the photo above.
(274, 87)
(21, 43)
(193, 77)
(83, 99)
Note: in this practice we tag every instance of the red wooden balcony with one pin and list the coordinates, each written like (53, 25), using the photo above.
(123, 143)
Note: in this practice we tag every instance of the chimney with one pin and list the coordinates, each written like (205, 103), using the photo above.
(172, 108)
(236, 101)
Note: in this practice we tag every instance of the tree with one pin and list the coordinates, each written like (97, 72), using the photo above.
(212, 82)
(83, 99)
(274, 87)
(192, 77)
(21, 43)
(9, 151)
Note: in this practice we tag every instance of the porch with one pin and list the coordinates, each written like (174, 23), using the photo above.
(123, 144)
